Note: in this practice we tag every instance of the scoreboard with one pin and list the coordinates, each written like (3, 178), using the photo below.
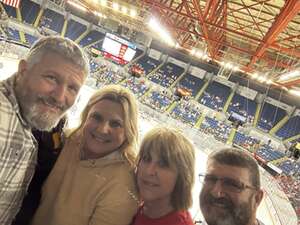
(118, 49)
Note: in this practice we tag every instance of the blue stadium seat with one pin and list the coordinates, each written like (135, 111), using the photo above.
(270, 115)
(29, 11)
(136, 85)
(11, 11)
(186, 112)
(158, 101)
(215, 96)
(289, 167)
(243, 106)
(91, 37)
(166, 75)
(191, 83)
(267, 153)
(74, 29)
(147, 63)
(218, 129)
(290, 128)
(244, 140)
(52, 20)
(13, 34)
(30, 39)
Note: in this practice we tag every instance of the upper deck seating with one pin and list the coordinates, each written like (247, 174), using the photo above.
(270, 116)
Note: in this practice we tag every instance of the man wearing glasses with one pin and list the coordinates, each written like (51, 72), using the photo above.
(231, 191)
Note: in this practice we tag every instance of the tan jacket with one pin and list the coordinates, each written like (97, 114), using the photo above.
(88, 192)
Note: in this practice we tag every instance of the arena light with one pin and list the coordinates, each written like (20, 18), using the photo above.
(229, 66)
(254, 75)
(103, 2)
(124, 9)
(133, 13)
(99, 14)
(193, 51)
(262, 79)
(162, 33)
(200, 54)
(235, 68)
(295, 92)
(290, 75)
(115, 6)
(78, 6)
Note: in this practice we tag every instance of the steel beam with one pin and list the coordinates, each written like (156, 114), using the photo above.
(287, 13)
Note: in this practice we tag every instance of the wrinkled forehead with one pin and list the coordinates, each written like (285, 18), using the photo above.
(224, 170)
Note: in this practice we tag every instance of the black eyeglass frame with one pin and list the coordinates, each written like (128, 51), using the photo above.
(238, 188)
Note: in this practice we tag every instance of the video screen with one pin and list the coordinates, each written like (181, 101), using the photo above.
(118, 49)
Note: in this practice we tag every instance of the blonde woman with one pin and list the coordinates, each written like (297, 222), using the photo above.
(92, 182)
(165, 176)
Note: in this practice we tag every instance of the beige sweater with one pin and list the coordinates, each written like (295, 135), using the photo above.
(88, 192)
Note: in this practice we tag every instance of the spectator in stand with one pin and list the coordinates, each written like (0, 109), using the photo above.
(92, 181)
(231, 191)
(165, 176)
(36, 97)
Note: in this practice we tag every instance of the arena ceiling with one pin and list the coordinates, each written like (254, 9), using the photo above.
(259, 36)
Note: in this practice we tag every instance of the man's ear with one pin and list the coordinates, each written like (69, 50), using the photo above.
(22, 66)
(258, 197)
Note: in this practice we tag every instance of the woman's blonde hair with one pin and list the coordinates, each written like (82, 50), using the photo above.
(173, 148)
(127, 100)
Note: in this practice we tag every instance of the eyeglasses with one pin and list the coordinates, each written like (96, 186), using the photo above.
(228, 184)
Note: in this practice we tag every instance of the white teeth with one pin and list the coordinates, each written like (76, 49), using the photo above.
(100, 139)
(150, 184)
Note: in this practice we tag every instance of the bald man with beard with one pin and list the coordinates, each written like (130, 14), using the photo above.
(231, 191)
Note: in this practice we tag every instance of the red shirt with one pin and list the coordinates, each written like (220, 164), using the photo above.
(173, 218)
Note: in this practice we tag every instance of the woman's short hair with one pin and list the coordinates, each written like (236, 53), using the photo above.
(178, 152)
(62, 46)
(127, 100)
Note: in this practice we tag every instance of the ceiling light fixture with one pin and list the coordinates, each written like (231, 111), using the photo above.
(133, 13)
(78, 6)
(164, 34)
(115, 6)
(290, 75)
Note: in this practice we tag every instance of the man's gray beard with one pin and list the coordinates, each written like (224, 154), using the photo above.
(240, 216)
(41, 121)
(228, 220)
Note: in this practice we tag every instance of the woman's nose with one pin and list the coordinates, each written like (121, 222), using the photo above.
(103, 127)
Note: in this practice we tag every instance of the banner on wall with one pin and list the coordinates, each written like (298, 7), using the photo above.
(13, 3)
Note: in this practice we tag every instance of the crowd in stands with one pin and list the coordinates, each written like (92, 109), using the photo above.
(212, 101)
(166, 75)
(246, 141)
(290, 128)
(291, 186)
(270, 115)
(187, 112)
(220, 130)
(158, 100)
(243, 106)
(191, 83)
(137, 85)
(147, 64)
